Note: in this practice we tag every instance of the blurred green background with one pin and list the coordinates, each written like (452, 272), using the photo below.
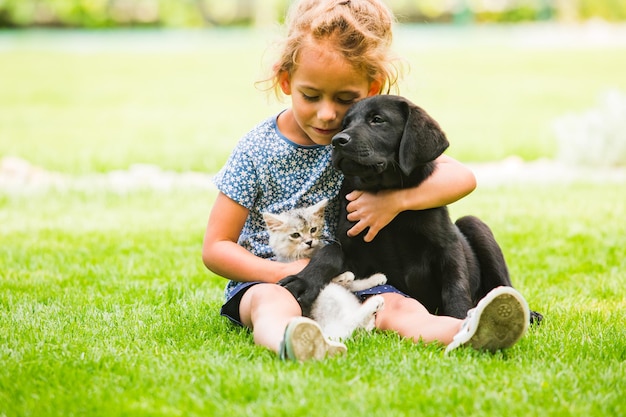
(185, 13)
(178, 90)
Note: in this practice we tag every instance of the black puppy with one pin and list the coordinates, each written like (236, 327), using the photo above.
(387, 142)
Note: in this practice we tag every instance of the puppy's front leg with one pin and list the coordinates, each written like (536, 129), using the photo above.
(326, 264)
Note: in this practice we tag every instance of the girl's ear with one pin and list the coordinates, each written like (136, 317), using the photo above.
(375, 88)
(284, 82)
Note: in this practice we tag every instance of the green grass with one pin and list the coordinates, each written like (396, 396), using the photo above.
(106, 310)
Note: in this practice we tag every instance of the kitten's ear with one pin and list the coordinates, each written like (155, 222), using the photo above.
(273, 221)
(318, 209)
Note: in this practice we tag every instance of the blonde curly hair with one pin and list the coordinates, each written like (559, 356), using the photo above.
(359, 30)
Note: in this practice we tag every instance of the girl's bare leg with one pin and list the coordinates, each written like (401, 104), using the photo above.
(410, 319)
(267, 309)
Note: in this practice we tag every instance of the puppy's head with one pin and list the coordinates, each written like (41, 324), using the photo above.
(385, 140)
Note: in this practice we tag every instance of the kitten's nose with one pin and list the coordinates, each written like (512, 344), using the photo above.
(309, 243)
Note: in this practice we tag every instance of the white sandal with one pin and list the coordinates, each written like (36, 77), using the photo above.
(498, 321)
(304, 340)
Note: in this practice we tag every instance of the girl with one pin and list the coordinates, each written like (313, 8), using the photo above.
(336, 53)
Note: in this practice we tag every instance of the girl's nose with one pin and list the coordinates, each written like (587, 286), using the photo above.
(327, 112)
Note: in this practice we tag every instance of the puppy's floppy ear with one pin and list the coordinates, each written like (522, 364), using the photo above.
(422, 140)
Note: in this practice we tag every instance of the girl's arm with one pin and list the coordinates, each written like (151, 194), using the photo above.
(223, 256)
(450, 182)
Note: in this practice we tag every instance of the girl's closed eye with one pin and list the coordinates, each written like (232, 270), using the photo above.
(343, 99)
(346, 101)
(309, 94)
(347, 98)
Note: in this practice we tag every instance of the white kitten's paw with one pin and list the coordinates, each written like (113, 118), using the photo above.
(378, 302)
(379, 279)
(344, 279)
(372, 305)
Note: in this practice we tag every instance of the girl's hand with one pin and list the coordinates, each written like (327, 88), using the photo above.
(371, 211)
(450, 181)
(293, 268)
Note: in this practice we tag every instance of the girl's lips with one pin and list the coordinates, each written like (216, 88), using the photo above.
(326, 131)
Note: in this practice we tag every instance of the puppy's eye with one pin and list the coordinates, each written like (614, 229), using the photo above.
(294, 235)
(377, 120)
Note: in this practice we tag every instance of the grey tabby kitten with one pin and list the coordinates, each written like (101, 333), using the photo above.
(297, 234)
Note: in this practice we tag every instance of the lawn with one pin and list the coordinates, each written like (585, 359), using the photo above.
(107, 310)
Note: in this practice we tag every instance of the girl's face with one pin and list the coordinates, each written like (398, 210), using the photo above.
(322, 87)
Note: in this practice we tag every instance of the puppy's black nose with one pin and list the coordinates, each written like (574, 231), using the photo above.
(340, 139)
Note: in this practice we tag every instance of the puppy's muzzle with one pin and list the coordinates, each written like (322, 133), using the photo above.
(340, 139)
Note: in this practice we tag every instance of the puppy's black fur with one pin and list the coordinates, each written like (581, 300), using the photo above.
(387, 142)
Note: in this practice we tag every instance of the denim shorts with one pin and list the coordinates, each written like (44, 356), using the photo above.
(234, 293)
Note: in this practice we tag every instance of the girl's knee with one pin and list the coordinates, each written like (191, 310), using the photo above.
(263, 293)
(262, 297)
(399, 309)
(399, 304)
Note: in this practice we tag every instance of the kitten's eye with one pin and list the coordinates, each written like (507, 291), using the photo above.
(313, 230)
(294, 235)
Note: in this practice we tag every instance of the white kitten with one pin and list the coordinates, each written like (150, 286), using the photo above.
(297, 234)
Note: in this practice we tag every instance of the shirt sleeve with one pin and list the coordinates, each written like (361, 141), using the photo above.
(238, 178)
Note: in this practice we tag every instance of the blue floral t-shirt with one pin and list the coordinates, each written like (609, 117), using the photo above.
(268, 172)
